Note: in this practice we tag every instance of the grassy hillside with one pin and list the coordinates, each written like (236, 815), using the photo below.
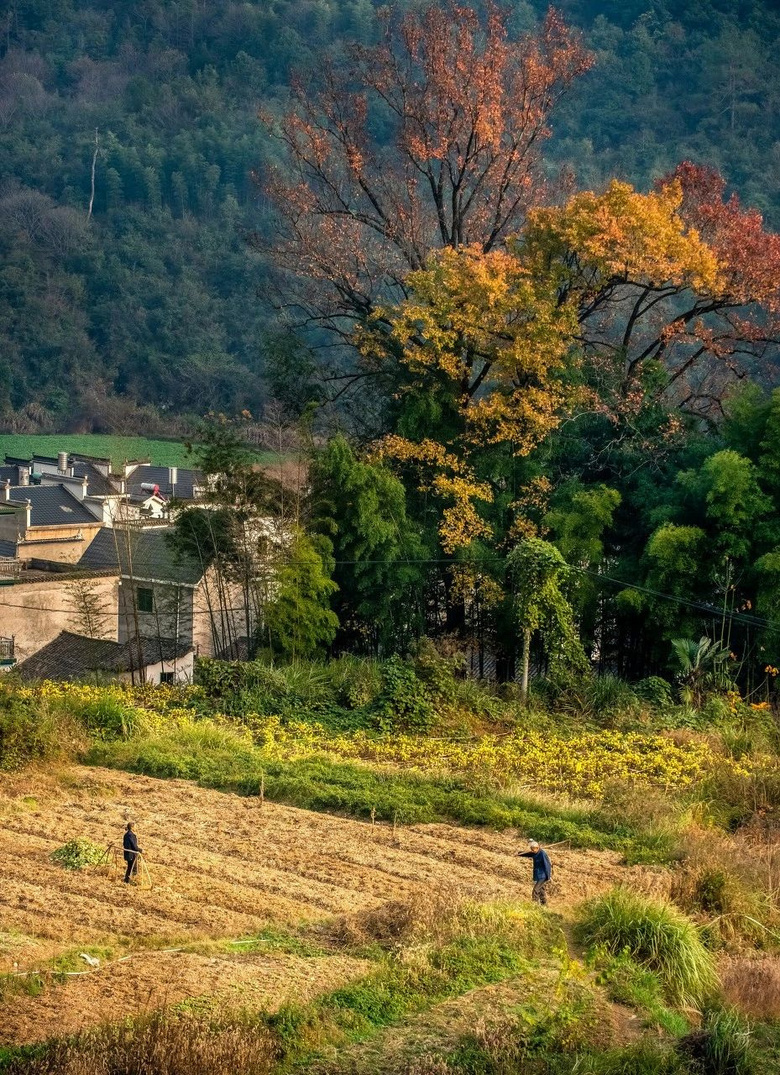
(163, 453)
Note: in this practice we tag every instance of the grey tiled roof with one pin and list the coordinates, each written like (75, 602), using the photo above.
(52, 505)
(72, 656)
(80, 457)
(144, 554)
(9, 473)
(7, 548)
(238, 650)
(102, 551)
(99, 485)
(149, 475)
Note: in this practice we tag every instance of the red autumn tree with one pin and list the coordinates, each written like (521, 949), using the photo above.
(677, 291)
(728, 332)
(430, 139)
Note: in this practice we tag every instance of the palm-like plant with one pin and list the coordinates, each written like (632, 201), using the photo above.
(702, 666)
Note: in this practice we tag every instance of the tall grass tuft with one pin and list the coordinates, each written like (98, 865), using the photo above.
(357, 681)
(640, 1058)
(657, 936)
(605, 700)
(722, 1045)
(752, 986)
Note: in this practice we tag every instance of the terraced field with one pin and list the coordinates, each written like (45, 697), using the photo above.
(222, 867)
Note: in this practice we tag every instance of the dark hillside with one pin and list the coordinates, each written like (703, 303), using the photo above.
(146, 307)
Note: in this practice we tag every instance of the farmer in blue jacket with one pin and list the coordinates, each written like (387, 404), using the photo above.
(542, 871)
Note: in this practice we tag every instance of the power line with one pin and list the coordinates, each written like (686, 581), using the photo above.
(710, 610)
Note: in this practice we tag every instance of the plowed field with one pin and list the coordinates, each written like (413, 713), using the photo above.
(221, 867)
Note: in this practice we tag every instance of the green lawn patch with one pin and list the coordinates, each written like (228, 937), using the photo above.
(162, 453)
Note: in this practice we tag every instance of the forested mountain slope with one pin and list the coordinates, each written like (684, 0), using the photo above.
(120, 310)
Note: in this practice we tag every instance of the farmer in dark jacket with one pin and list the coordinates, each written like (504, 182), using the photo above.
(542, 871)
(132, 851)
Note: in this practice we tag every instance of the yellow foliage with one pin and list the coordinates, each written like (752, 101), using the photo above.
(620, 234)
(161, 696)
(499, 337)
(470, 583)
(575, 765)
(460, 522)
(498, 333)
(451, 478)
(500, 330)
(582, 764)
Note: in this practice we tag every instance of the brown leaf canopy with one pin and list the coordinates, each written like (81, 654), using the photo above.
(463, 112)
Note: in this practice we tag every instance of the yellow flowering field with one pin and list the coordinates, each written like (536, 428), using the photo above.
(579, 764)
(143, 695)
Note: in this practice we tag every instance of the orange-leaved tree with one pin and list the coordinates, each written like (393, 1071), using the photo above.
(429, 139)
(663, 295)
(677, 291)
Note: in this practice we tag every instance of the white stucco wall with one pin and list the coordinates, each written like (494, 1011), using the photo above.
(218, 616)
(182, 669)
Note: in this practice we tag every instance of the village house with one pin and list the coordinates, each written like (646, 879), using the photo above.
(71, 656)
(137, 588)
(163, 594)
(35, 605)
(139, 491)
(46, 522)
(76, 538)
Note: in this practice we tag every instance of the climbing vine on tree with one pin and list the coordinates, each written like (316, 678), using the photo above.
(539, 575)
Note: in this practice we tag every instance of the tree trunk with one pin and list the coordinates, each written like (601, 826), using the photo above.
(526, 661)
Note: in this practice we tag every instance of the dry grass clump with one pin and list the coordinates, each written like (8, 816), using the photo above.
(732, 885)
(428, 1064)
(440, 915)
(500, 1041)
(752, 986)
(427, 915)
(748, 798)
(623, 801)
(161, 1045)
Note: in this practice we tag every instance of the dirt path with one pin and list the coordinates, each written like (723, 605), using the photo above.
(223, 866)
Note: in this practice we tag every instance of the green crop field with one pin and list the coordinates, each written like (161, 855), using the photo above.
(164, 453)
